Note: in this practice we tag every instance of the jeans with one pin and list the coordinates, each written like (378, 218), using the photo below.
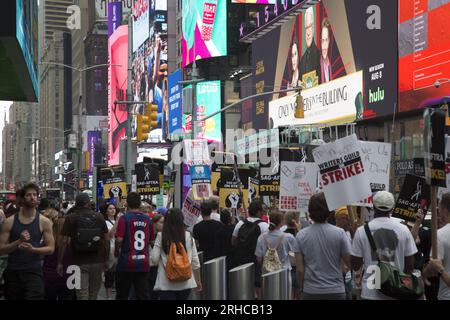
(24, 285)
(139, 280)
(91, 281)
(174, 295)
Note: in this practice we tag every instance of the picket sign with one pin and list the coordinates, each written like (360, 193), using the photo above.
(343, 175)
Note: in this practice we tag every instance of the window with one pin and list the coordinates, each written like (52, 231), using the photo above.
(98, 73)
(98, 86)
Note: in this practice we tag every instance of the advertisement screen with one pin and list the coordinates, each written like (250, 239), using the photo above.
(208, 101)
(117, 113)
(27, 36)
(149, 69)
(141, 25)
(204, 29)
(254, 1)
(175, 103)
(114, 16)
(424, 48)
(101, 8)
(93, 138)
(332, 50)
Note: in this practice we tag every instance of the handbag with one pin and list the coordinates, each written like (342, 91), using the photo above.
(395, 283)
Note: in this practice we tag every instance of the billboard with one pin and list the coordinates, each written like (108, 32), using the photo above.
(101, 8)
(204, 29)
(254, 1)
(140, 21)
(27, 36)
(93, 139)
(424, 46)
(114, 16)
(117, 78)
(175, 103)
(209, 100)
(150, 66)
(330, 48)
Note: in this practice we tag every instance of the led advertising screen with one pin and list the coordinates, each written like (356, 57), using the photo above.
(27, 36)
(140, 20)
(175, 103)
(114, 16)
(424, 49)
(101, 8)
(254, 1)
(333, 50)
(118, 81)
(209, 100)
(204, 29)
(150, 67)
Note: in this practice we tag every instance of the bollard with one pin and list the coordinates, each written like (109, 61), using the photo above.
(214, 284)
(276, 285)
(194, 294)
(242, 282)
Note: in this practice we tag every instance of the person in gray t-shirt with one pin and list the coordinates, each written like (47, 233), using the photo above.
(319, 250)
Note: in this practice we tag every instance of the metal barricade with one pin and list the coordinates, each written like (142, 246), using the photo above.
(242, 282)
(276, 285)
(215, 284)
(194, 294)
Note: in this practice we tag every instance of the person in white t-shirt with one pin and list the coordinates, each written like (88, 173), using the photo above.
(395, 244)
(215, 215)
(441, 266)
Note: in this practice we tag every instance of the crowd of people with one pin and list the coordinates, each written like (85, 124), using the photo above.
(140, 253)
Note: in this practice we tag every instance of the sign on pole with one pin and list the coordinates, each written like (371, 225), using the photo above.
(298, 184)
(148, 180)
(434, 145)
(414, 191)
(191, 210)
(343, 176)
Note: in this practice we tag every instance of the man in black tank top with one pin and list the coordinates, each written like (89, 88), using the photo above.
(25, 237)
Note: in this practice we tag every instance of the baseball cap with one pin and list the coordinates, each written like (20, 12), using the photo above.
(384, 201)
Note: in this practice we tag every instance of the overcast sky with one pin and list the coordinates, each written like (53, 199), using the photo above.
(4, 108)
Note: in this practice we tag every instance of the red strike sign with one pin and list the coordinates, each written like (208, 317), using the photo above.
(350, 170)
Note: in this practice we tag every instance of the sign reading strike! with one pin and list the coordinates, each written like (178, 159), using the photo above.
(414, 192)
(191, 210)
(298, 184)
(343, 176)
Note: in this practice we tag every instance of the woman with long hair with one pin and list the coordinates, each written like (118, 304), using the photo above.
(109, 212)
(174, 232)
(56, 286)
(158, 224)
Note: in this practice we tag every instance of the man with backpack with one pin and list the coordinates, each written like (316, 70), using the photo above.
(86, 231)
(393, 242)
(245, 237)
(133, 237)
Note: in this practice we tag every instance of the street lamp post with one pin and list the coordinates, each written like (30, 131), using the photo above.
(80, 112)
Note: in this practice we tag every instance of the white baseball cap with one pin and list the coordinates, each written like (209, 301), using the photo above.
(384, 201)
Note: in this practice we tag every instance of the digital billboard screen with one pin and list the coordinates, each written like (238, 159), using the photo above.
(209, 100)
(175, 103)
(118, 81)
(424, 48)
(204, 29)
(27, 36)
(254, 1)
(150, 67)
(333, 50)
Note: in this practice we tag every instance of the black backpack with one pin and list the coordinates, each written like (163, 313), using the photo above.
(88, 234)
(244, 251)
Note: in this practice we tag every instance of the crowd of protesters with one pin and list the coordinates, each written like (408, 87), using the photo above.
(141, 252)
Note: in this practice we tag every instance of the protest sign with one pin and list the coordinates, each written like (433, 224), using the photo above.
(434, 146)
(196, 152)
(114, 185)
(376, 157)
(441, 191)
(229, 188)
(201, 182)
(298, 183)
(148, 179)
(413, 192)
(343, 176)
(253, 189)
(191, 210)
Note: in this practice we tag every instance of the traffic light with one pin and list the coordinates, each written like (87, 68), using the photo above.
(151, 111)
(143, 128)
